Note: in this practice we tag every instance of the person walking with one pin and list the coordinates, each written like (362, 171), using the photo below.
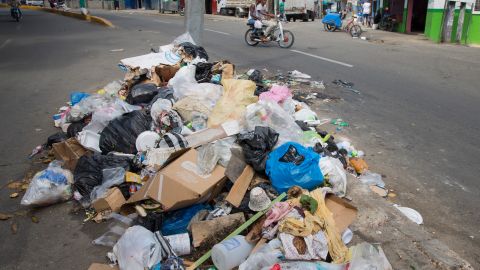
(116, 5)
(366, 11)
(281, 9)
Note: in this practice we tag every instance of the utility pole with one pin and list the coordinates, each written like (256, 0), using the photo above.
(194, 12)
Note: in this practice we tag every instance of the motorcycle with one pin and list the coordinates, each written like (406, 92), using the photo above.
(387, 23)
(284, 38)
(15, 12)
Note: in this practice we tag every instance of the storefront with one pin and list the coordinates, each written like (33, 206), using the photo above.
(453, 21)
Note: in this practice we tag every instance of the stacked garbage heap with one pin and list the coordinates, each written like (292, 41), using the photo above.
(196, 168)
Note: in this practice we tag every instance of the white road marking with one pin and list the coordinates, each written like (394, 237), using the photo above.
(219, 32)
(5, 43)
(160, 21)
(323, 58)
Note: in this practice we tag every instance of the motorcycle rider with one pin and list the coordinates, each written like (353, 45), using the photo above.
(265, 17)
(15, 4)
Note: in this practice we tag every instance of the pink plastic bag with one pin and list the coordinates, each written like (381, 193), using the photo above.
(278, 93)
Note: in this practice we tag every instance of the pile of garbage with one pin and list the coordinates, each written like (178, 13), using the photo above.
(190, 162)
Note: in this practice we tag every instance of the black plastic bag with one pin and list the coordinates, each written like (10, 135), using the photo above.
(292, 156)
(121, 133)
(256, 76)
(56, 138)
(194, 51)
(88, 173)
(74, 128)
(152, 222)
(256, 145)
(163, 93)
(142, 93)
(203, 72)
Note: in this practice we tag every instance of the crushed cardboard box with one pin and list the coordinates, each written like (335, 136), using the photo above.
(69, 152)
(343, 212)
(179, 185)
(113, 200)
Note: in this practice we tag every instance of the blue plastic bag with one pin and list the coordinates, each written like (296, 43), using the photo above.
(177, 221)
(300, 168)
(76, 97)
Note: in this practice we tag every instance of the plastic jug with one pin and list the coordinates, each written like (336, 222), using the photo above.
(231, 253)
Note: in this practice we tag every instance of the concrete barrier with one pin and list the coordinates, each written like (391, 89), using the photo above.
(89, 18)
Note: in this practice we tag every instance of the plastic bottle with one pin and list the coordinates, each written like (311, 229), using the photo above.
(231, 253)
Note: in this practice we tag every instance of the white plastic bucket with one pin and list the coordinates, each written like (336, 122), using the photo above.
(180, 243)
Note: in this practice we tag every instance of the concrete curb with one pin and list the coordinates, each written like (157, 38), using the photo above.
(88, 18)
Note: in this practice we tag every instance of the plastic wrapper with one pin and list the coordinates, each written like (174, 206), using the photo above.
(137, 249)
(256, 145)
(112, 88)
(115, 230)
(142, 93)
(211, 154)
(110, 177)
(270, 114)
(49, 186)
(238, 94)
(337, 175)
(372, 179)
(284, 175)
(89, 171)
(121, 133)
(86, 106)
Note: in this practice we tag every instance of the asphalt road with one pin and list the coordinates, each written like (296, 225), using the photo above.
(417, 116)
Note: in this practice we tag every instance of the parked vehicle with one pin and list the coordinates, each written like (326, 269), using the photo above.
(300, 10)
(38, 3)
(237, 8)
(15, 12)
(284, 38)
(333, 21)
(173, 6)
(387, 23)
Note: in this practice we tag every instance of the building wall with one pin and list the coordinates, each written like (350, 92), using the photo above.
(434, 23)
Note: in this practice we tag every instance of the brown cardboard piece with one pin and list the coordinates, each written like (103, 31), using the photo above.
(163, 73)
(113, 200)
(343, 212)
(178, 185)
(69, 152)
(207, 230)
(101, 266)
(237, 192)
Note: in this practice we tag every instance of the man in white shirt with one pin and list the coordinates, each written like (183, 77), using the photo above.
(265, 16)
(367, 10)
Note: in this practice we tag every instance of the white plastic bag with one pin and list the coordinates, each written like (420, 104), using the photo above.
(137, 249)
(184, 85)
(337, 175)
(216, 152)
(111, 177)
(365, 257)
(267, 255)
(102, 116)
(49, 186)
(87, 106)
(270, 114)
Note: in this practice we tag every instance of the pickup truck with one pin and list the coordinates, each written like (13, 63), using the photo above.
(300, 9)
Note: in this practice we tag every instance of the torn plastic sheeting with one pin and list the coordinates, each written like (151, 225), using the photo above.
(270, 114)
(86, 106)
(121, 133)
(102, 116)
(238, 94)
(110, 177)
(211, 154)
